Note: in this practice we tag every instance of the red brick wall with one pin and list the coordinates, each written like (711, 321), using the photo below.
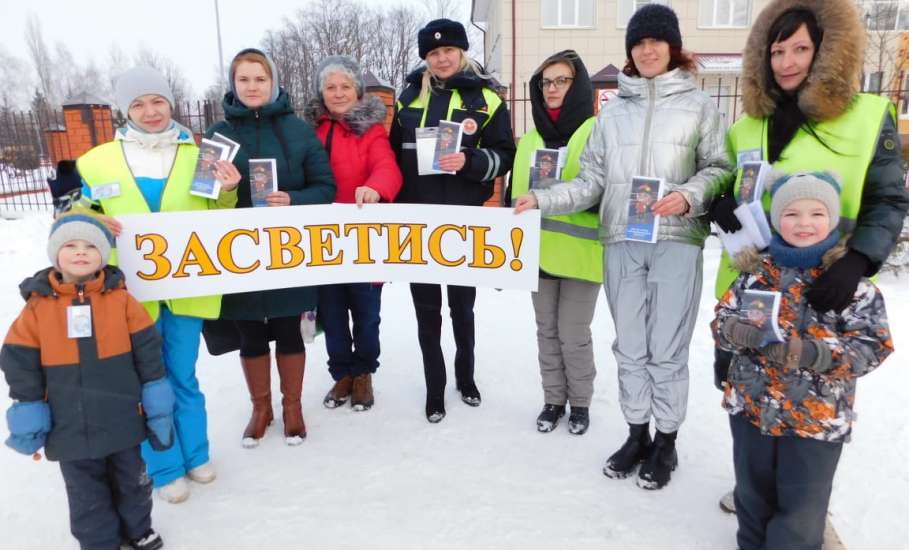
(77, 139)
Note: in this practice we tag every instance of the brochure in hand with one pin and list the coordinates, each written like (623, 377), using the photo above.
(449, 142)
(233, 145)
(761, 308)
(545, 169)
(755, 230)
(435, 141)
(263, 179)
(643, 225)
(754, 174)
(205, 184)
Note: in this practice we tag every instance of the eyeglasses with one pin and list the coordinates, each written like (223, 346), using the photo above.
(560, 82)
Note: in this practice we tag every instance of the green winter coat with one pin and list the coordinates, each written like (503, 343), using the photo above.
(274, 131)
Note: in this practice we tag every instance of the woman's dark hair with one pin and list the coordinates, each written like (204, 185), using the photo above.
(787, 118)
(677, 58)
(782, 29)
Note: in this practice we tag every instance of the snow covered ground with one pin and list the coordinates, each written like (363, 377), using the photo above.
(483, 478)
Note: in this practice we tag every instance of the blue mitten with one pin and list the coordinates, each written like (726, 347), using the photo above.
(158, 401)
(29, 424)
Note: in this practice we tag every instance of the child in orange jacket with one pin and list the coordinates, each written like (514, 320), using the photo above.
(83, 363)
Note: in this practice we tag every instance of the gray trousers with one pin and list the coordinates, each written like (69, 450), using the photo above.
(653, 291)
(564, 310)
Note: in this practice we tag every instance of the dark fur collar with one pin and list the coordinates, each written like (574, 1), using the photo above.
(370, 110)
(834, 78)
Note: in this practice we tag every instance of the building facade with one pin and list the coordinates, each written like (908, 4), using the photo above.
(519, 34)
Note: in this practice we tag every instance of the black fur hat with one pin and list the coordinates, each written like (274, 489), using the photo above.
(653, 21)
(441, 32)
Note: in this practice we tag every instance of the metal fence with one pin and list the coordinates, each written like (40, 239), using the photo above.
(30, 141)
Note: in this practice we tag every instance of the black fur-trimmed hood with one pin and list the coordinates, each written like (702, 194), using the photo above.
(368, 111)
(834, 77)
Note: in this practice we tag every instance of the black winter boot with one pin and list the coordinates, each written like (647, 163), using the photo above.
(149, 541)
(660, 463)
(549, 417)
(469, 393)
(579, 420)
(435, 409)
(623, 462)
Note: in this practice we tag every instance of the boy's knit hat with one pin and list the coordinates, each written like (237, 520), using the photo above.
(140, 81)
(653, 21)
(820, 186)
(79, 225)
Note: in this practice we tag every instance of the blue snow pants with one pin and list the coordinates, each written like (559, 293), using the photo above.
(181, 336)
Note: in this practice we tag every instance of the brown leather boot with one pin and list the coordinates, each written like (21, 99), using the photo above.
(362, 398)
(290, 369)
(257, 371)
(338, 394)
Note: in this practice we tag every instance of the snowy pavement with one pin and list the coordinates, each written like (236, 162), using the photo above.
(483, 478)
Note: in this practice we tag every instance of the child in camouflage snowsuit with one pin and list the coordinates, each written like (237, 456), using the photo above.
(790, 403)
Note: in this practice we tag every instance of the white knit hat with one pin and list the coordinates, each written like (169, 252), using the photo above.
(820, 186)
(79, 226)
(140, 81)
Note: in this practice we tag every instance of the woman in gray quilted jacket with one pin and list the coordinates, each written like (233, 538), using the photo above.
(660, 132)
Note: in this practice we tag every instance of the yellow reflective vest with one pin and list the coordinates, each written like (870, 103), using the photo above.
(569, 244)
(106, 163)
(851, 139)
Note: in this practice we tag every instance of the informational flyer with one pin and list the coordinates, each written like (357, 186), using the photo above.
(448, 143)
(761, 308)
(643, 225)
(205, 184)
(263, 179)
(224, 140)
(545, 169)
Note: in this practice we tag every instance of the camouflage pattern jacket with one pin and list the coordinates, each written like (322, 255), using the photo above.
(799, 401)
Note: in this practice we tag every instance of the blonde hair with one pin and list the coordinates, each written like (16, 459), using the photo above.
(467, 65)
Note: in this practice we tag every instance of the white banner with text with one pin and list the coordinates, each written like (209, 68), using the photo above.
(184, 254)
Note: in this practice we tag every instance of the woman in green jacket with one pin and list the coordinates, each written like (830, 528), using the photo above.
(260, 118)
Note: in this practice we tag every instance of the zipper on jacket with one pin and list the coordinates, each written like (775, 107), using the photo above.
(81, 291)
(645, 143)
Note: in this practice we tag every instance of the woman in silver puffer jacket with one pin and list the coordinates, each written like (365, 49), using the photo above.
(660, 126)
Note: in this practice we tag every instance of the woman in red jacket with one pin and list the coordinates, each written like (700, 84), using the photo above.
(349, 124)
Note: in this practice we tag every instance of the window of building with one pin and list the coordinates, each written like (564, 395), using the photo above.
(628, 7)
(724, 13)
(904, 97)
(873, 82)
(886, 15)
(568, 13)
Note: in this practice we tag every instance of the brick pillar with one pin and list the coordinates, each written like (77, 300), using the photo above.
(387, 95)
(86, 126)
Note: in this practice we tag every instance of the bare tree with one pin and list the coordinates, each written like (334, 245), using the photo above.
(13, 69)
(40, 57)
(117, 63)
(66, 73)
(383, 40)
(881, 24)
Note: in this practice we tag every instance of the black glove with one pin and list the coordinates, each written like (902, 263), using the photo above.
(722, 212)
(835, 288)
